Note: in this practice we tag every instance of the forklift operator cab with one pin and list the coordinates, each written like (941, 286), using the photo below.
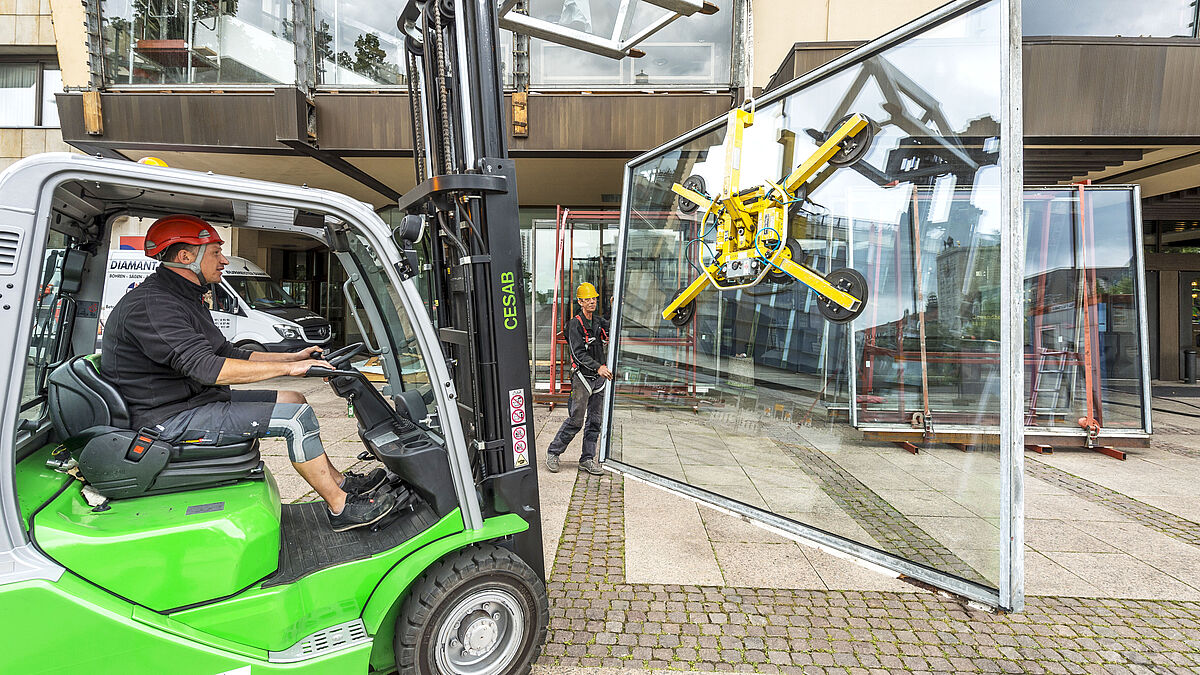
(152, 557)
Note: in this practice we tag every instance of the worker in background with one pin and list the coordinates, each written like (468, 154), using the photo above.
(173, 367)
(587, 337)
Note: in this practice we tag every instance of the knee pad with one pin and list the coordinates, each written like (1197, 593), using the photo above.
(297, 422)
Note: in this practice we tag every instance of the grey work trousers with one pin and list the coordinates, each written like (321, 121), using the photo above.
(582, 405)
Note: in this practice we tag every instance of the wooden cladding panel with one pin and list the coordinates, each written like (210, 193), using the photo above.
(1096, 90)
(628, 124)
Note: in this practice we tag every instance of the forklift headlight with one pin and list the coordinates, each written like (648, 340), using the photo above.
(287, 332)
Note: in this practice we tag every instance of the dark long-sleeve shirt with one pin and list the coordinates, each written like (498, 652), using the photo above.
(162, 350)
(588, 341)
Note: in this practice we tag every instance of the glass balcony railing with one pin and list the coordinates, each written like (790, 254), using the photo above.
(1109, 18)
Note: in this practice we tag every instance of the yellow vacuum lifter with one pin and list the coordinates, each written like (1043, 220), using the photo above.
(751, 225)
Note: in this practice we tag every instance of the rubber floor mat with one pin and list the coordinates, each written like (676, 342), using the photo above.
(308, 545)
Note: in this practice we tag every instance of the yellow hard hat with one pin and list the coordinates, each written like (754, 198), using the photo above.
(586, 291)
(152, 161)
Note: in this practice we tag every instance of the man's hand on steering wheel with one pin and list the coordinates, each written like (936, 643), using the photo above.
(306, 353)
(300, 368)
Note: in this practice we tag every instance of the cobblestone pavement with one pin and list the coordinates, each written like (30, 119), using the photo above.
(1145, 514)
(598, 620)
(885, 523)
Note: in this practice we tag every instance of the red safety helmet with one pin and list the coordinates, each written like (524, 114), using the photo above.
(179, 229)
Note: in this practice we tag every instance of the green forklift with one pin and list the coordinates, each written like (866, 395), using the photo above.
(120, 553)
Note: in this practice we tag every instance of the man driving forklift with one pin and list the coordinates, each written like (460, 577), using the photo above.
(173, 367)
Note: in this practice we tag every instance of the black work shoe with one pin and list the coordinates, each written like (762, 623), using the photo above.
(591, 466)
(361, 510)
(359, 484)
(552, 463)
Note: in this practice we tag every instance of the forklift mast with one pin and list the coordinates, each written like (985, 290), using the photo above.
(466, 202)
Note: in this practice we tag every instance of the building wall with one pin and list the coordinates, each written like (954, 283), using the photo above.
(26, 22)
(779, 24)
(26, 30)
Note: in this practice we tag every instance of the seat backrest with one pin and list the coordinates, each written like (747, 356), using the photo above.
(79, 398)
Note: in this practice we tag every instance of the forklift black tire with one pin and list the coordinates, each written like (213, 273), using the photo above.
(683, 315)
(251, 346)
(855, 148)
(848, 280)
(478, 610)
(695, 183)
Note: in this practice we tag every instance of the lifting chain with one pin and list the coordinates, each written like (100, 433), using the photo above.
(443, 92)
(416, 94)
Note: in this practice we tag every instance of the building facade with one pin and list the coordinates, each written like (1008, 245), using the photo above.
(313, 91)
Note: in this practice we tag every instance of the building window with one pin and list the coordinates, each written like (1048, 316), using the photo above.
(1110, 18)
(691, 53)
(27, 94)
(358, 44)
(198, 41)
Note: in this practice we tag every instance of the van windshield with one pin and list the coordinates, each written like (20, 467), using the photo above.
(261, 293)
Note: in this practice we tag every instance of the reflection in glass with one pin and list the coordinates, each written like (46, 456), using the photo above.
(695, 52)
(198, 41)
(752, 400)
(1146, 18)
(1083, 334)
(357, 43)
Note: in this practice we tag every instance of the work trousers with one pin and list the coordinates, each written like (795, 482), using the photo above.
(583, 404)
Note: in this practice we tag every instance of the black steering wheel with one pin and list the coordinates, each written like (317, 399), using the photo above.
(341, 357)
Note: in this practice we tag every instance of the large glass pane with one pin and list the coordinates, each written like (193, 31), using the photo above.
(1083, 333)
(358, 43)
(51, 85)
(198, 41)
(1151, 18)
(18, 94)
(691, 53)
(752, 399)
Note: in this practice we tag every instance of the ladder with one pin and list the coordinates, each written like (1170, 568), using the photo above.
(1046, 391)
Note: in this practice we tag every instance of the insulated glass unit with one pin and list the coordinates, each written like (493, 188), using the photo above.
(749, 403)
(357, 43)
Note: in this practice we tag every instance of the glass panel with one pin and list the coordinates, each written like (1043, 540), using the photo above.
(45, 342)
(51, 85)
(358, 43)
(18, 94)
(751, 400)
(198, 41)
(1082, 333)
(261, 293)
(691, 52)
(401, 336)
(1156, 18)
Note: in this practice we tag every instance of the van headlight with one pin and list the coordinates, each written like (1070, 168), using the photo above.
(287, 332)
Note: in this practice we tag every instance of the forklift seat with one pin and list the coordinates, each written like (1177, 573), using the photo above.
(119, 462)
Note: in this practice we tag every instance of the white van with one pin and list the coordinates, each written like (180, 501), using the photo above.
(251, 309)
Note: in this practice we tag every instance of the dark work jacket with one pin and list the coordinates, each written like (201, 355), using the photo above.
(589, 342)
(162, 350)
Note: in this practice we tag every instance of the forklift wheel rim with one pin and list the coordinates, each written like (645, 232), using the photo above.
(850, 281)
(482, 633)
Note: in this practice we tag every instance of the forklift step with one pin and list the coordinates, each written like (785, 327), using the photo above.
(309, 545)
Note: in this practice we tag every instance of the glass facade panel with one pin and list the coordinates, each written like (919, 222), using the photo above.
(358, 43)
(692, 52)
(751, 400)
(1083, 334)
(198, 41)
(1146, 18)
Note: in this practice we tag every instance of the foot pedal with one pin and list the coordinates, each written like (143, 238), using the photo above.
(365, 455)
